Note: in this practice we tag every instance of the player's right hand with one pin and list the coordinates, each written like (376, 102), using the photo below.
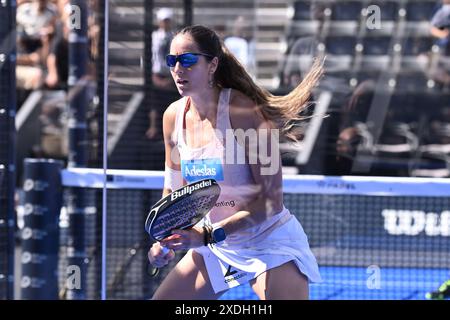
(157, 257)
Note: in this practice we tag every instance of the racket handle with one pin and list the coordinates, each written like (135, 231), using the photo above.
(153, 271)
(165, 250)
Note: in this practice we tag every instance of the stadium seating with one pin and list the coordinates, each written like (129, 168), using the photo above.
(340, 45)
(397, 61)
(302, 10)
(420, 10)
(377, 45)
(346, 10)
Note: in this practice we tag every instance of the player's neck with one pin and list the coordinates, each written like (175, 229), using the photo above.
(205, 105)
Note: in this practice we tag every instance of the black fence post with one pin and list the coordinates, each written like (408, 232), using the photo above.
(40, 234)
(148, 28)
(7, 146)
(188, 12)
(78, 142)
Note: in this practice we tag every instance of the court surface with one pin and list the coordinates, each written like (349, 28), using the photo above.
(354, 283)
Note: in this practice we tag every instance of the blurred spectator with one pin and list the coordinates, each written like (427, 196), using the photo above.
(164, 87)
(29, 70)
(352, 131)
(440, 26)
(440, 29)
(160, 48)
(93, 30)
(300, 58)
(293, 68)
(36, 24)
(58, 58)
(35, 28)
(239, 45)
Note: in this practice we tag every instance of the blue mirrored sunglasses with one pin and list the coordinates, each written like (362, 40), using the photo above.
(186, 59)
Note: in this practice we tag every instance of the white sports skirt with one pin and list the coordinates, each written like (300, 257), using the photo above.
(231, 266)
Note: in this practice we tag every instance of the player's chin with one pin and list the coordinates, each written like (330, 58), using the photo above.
(183, 90)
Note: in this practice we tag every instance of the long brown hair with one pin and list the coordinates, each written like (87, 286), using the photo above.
(282, 111)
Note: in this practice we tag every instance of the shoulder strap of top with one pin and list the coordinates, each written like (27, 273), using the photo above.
(178, 130)
(223, 111)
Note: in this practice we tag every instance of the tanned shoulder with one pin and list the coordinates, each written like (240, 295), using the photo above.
(169, 117)
(171, 110)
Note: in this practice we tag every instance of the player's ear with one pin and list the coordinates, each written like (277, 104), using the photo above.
(213, 65)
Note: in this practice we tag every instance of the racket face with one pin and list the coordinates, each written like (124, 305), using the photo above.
(182, 208)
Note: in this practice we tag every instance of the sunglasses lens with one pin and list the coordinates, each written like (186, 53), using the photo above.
(188, 59)
(171, 60)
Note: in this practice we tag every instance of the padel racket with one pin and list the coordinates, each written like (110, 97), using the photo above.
(182, 208)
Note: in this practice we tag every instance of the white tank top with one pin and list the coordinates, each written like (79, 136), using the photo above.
(222, 159)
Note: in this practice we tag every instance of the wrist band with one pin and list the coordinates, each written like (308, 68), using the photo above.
(206, 235)
(172, 178)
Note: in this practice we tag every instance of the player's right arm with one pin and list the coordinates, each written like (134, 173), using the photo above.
(156, 255)
(172, 174)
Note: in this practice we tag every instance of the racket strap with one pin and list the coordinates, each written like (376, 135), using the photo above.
(207, 234)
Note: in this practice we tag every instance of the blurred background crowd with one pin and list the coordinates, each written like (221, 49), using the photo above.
(386, 67)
